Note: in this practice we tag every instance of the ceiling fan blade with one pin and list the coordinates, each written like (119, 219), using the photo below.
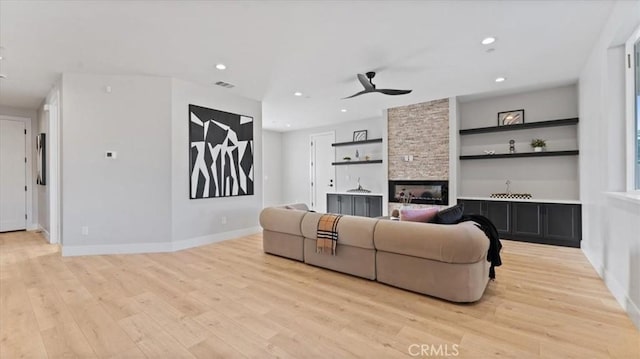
(393, 92)
(365, 82)
(358, 94)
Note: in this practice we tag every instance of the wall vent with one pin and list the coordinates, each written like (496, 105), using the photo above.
(225, 84)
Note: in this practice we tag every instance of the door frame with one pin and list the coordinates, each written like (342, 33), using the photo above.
(52, 106)
(312, 159)
(29, 178)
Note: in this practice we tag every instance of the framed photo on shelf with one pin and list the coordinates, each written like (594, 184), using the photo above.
(513, 117)
(359, 135)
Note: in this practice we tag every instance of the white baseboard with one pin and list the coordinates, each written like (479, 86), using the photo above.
(158, 247)
(32, 227)
(619, 292)
(213, 238)
(44, 232)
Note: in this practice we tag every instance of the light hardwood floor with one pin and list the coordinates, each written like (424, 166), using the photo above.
(231, 300)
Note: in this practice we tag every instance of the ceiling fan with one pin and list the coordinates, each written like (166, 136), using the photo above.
(370, 87)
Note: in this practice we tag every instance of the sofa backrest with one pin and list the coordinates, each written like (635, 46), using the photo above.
(283, 220)
(457, 243)
(352, 230)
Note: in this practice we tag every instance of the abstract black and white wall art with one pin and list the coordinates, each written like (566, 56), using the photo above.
(41, 164)
(220, 153)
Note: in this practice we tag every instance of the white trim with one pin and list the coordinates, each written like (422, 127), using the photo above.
(385, 161)
(53, 154)
(158, 247)
(44, 232)
(213, 238)
(617, 290)
(631, 140)
(30, 180)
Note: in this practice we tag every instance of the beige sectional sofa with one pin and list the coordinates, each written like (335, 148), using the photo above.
(444, 261)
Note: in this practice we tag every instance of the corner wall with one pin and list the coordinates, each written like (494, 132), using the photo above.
(610, 221)
(124, 203)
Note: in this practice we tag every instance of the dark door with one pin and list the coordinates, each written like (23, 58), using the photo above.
(345, 204)
(500, 214)
(527, 219)
(471, 207)
(375, 206)
(333, 205)
(562, 222)
(360, 206)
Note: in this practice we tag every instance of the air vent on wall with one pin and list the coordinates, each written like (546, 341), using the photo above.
(225, 84)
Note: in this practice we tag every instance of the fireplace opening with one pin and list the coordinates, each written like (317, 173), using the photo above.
(421, 192)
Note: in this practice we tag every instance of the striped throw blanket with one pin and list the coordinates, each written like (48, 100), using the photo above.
(327, 233)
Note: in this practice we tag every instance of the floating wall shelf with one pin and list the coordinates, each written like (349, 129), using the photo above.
(373, 140)
(524, 126)
(355, 162)
(521, 154)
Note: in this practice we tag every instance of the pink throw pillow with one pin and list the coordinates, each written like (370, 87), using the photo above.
(418, 214)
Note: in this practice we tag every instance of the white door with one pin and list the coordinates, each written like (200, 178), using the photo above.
(323, 174)
(13, 176)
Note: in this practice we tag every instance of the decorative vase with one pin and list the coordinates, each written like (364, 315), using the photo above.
(537, 149)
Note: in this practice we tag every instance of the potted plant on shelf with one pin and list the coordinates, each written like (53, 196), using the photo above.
(538, 144)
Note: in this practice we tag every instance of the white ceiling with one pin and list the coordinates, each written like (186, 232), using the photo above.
(273, 49)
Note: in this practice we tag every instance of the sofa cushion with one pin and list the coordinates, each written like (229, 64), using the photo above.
(418, 214)
(459, 243)
(352, 230)
(282, 220)
(450, 215)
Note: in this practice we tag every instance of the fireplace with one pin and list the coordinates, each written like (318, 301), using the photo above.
(422, 192)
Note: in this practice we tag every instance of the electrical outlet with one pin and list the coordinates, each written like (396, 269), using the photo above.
(223, 220)
(85, 231)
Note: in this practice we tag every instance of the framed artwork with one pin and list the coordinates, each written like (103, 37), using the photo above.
(514, 117)
(359, 135)
(41, 159)
(220, 153)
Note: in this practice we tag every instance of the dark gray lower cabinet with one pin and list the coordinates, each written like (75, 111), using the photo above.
(547, 223)
(356, 205)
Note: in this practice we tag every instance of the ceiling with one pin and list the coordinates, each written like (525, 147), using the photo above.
(273, 49)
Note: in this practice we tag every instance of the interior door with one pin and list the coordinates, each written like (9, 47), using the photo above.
(323, 176)
(13, 176)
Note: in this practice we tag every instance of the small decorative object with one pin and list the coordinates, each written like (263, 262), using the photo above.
(346, 158)
(359, 135)
(367, 158)
(508, 183)
(489, 152)
(357, 154)
(512, 195)
(41, 164)
(514, 117)
(405, 197)
(538, 144)
(512, 146)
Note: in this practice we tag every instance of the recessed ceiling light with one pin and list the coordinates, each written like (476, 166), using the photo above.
(297, 94)
(343, 110)
(488, 40)
(500, 79)
(288, 125)
(221, 66)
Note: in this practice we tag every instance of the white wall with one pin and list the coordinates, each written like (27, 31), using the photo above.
(610, 222)
(124, 202)
(200, 221)
(272, 168)
(33, 115)
(296, 154)
(544, 178)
